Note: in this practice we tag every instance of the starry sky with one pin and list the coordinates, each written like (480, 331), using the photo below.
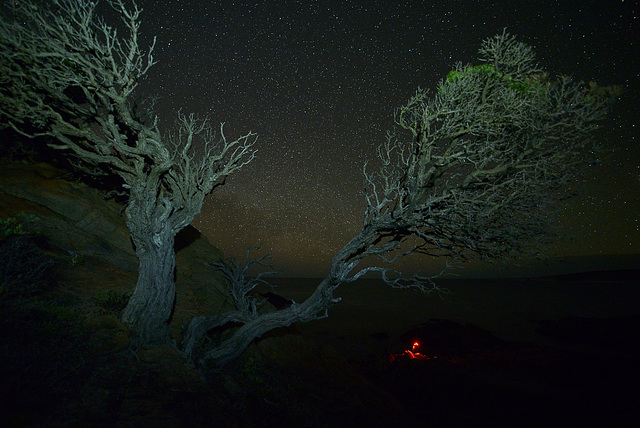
(318, 81)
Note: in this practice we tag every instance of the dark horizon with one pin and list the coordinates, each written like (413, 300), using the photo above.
(531, 269)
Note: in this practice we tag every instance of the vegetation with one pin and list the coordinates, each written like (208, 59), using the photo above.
(113, 301)
(70, 77)
(486, 159)
(482, 163)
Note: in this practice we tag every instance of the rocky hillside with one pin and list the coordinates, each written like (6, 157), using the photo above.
(67, 359)
(89, 230)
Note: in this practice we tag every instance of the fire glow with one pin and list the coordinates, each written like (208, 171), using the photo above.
(413, 354)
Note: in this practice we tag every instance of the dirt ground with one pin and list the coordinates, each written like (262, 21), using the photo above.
(489, 353)
(494, 352)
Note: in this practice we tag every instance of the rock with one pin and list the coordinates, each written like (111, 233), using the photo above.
(200, 288)
(79, 220)
(72, 215)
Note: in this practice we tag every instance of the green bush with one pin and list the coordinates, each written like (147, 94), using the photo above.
(10, 226)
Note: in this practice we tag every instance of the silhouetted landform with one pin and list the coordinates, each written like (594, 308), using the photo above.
(602, 275)
(276, 300)
(592, 263)
(547, 267)
(460, 375)
(613, 333)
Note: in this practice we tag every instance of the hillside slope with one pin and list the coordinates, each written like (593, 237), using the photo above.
(67, 358)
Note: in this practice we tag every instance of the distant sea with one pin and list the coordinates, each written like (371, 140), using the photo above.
(506, 307)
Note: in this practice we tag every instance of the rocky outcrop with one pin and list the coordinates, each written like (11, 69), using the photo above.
(70, 214)
(79, 220)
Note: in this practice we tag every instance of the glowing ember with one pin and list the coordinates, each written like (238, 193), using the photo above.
(412, 354)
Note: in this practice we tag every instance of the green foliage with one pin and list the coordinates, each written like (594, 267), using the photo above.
(10, 226)
(458, 74)
(18, 225)
(487, 71)
(112, 300)
(61, 313)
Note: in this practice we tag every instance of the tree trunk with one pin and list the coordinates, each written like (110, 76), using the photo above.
(149, 309)
(151, 303)
(311, 309)
(314, 307)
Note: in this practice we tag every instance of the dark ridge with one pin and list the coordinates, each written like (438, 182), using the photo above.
(601, 275)
(276, 300)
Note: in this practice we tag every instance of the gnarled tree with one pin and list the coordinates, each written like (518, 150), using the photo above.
(489, 154)
(69, 76)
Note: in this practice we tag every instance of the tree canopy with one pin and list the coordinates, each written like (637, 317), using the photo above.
(68, 75)
(487, 156)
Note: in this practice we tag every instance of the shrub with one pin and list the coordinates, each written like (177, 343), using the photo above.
(10, 227)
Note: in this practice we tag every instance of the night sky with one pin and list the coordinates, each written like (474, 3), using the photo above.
(318, 81)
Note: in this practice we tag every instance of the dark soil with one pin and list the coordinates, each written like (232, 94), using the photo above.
(468, 377)
(57, 371)
(66, 360)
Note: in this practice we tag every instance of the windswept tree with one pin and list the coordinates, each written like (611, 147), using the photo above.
(67, 75)
(487, 157)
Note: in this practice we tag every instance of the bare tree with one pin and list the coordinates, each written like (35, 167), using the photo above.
(490, 153)
(68, 75)
(241, 289)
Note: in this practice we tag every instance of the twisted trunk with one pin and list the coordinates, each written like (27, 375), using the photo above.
(312, 308)
(149, 309)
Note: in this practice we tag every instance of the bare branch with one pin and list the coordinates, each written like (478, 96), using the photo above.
(487, 157)
(240, 286)
(67, 74)
(202, 160)
(490, 153)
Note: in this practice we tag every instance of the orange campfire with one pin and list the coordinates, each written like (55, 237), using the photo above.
(413, 354)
